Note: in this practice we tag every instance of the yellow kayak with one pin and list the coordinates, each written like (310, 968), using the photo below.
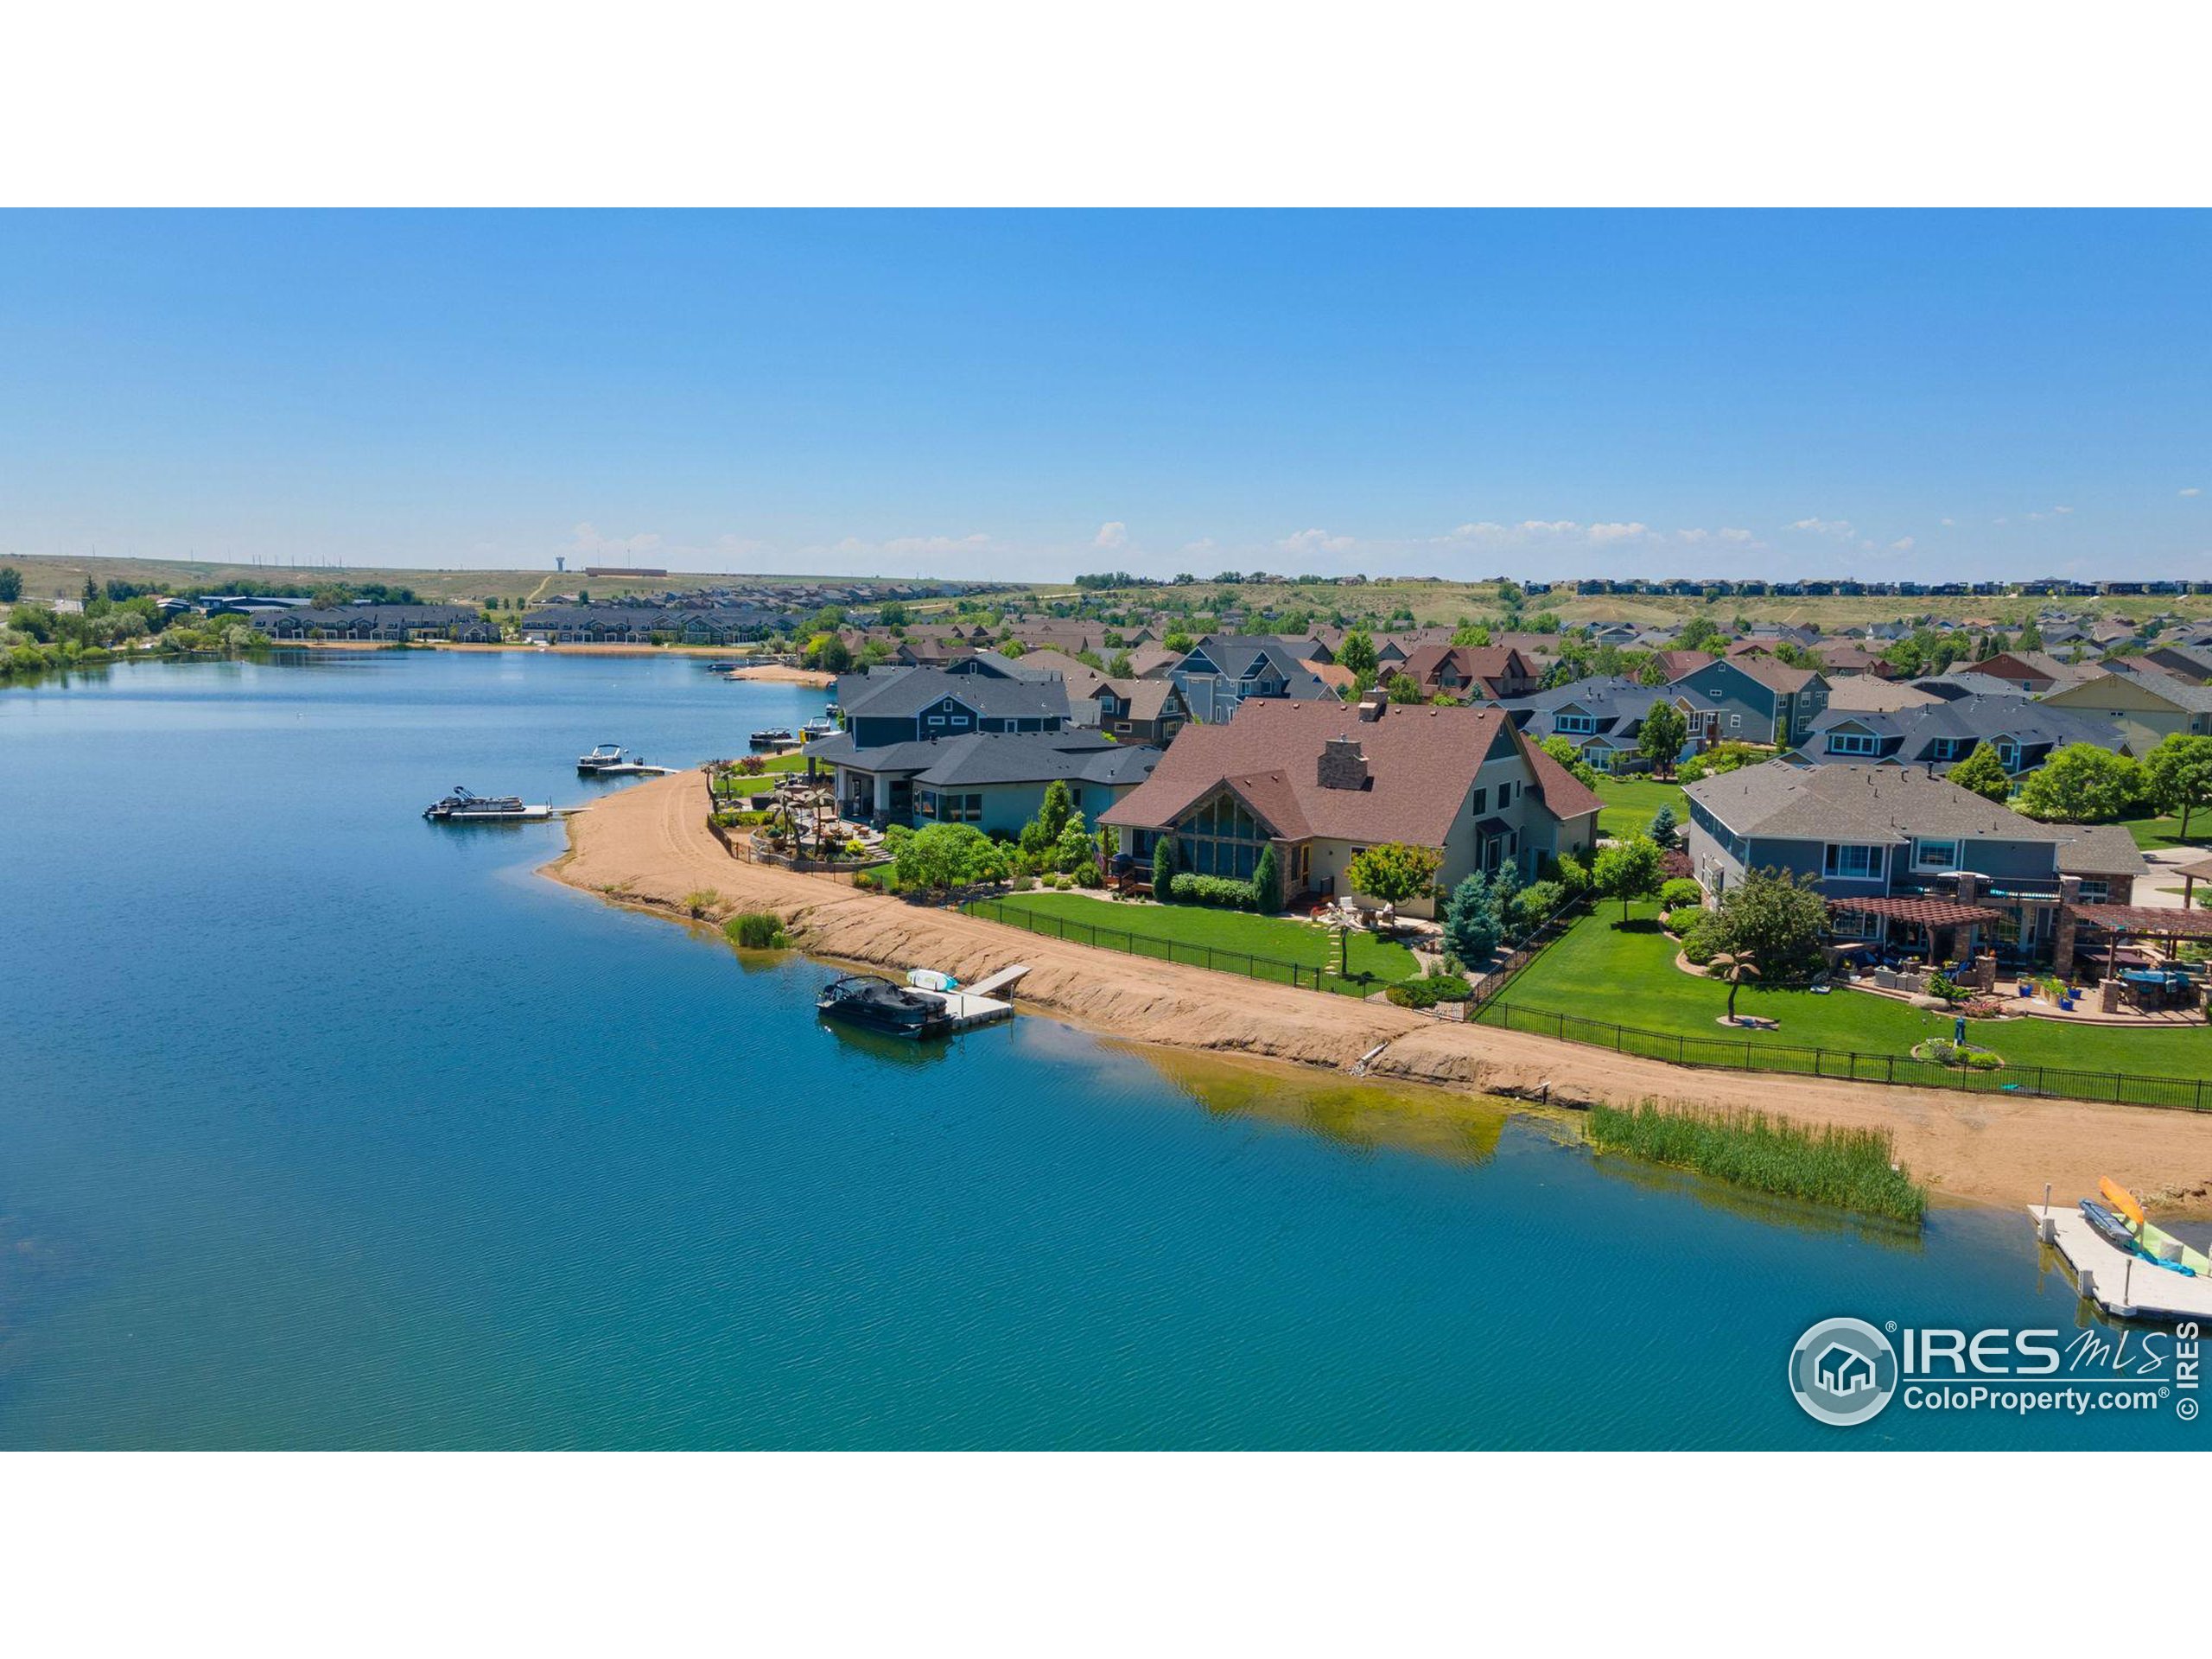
(2122, 1200)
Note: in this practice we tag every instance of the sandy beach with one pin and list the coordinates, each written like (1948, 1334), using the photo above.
(650, 847)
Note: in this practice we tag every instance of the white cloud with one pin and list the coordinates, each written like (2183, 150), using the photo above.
(586, 541)
(1694, 537)
(1903, 545)
(1316, 541)
(1838, 528)
(2062, 510)
(1112, 534)
(1603, 533)
(1948, 523)
(2192, 490)
(1730, 533)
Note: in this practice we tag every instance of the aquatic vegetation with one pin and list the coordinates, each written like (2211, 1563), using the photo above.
(1849, 1169)
(756, 930)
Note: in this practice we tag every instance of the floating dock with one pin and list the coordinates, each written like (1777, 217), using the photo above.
(2120, 1282)
(990, 999)
(630, 769)
(965, 1010)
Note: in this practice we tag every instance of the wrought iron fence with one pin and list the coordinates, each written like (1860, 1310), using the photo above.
(1751, 1054)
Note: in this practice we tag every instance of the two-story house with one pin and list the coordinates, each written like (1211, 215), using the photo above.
(1896, 847)
(1470, 673)
(1223, 669)
(1322, 782)
(1758, 699)
(1937, 735)
(1602, 716)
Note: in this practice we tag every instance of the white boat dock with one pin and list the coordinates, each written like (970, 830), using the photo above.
(630, 769)
(2120, 1282)
(980, 1004)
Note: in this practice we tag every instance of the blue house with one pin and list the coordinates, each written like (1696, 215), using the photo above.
(1223, 668)
(1758, 700)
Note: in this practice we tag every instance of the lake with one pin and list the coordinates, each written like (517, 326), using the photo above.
(323, 1126)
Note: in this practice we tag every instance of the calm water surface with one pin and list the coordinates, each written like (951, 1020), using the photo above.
(321, 1126)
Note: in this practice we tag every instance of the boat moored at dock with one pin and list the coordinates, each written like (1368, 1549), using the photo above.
(773, 737)
(930, 1003)
(602, 756)
(463, 806)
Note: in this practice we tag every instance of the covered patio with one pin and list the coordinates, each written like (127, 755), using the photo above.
(1934, 918)
(2147, 977)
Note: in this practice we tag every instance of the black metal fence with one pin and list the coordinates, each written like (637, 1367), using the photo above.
(1751, 1054)
(1282, 972)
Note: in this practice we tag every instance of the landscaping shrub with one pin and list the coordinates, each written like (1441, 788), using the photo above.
(865, 880)
(1087, 876)
(1850, 1169)
(1023, 883)
(1427, 990)
(1702, 942)
(756, 930)
(1536, 901)
(1219, 891)
(1943, 1051)
(1678, 891)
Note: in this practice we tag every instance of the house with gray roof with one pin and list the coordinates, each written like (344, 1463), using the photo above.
(1897, 844)
(906, 705)
(1223, 669)
(1603, 717)
(1938, 736)
(996, 781)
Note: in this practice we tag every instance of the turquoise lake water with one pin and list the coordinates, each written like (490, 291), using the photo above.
(322, 1126)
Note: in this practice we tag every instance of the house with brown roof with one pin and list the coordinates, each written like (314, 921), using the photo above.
(1471, 671)
(2033, 671)
(1322, 782)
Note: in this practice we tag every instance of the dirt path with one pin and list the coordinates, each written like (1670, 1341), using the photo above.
(649, 846)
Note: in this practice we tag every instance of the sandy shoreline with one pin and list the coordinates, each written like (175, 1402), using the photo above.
(649, 846)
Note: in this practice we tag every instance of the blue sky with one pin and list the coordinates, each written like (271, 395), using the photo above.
(1032, 395)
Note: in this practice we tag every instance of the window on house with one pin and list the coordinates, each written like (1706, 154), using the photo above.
(1481, 802)
(1504, 795)
(1935, 856)
(938, 721)
(1735, 722)
(1583, 723)
(1853, 743)
(1853, 863)
(2094, 892)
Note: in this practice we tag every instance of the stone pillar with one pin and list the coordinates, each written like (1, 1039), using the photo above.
(2108, 994)
(2062, 947)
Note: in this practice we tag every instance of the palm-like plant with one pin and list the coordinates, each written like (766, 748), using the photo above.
(1735, 967)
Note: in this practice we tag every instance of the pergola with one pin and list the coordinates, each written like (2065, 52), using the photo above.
(2144, 921)
(2190, 875)
(1928, 914)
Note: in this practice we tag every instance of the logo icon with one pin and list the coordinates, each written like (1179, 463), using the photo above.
(1843, 1371)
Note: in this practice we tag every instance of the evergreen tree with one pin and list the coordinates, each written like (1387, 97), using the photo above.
(1471, 926)
(1267, 881)
(1163, 868)
(1662, 827)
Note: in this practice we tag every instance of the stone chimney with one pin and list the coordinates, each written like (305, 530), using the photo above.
(1343, 766)
(1371, 707)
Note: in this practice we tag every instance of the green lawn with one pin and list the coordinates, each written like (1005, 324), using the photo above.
(2152, 833)
(765, 780)
(1186, 933)
(1627, 976)
(1630, 803)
